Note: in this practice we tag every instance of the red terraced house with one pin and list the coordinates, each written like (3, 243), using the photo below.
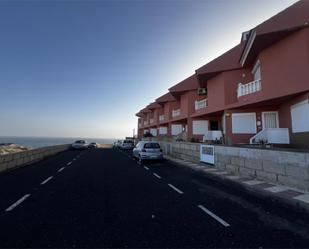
(256, 92)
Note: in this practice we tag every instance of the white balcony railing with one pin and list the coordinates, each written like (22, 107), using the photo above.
(271, 136)
(161, 118)
(176, 113)
(200, 104)
(151, 121)
(214, 135)
(251, 87)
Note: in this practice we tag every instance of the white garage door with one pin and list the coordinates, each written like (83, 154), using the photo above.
(200, 127)
(163, 130)
(244, 123)
(176, 129)
(153, 132)
(300, 117)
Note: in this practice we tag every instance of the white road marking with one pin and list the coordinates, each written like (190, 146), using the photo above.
(217, 218)
(59, 170)
(10, 208)
(277, 189)
(156, 175)
(47, 180)
(253, 182)
(176, 189)
(146, 168)
(69, 163)
(304, 198)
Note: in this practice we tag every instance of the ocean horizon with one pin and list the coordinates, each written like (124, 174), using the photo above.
(37, 142)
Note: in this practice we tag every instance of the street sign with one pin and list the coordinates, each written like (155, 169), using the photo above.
(207, 153)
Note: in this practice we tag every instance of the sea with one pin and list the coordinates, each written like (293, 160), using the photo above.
(37, 142)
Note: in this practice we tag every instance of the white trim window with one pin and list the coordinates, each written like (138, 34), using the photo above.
(244, 123)
(200, 104)
(162, 130)
(256, 71)
(176, 113)
(270, 119)
(176, 129)
(161, 118)
(199, 127)
(300, 117)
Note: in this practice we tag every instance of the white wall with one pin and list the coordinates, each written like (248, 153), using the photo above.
(200, 127)
(244, 123)
(300, 117)
(176, 129)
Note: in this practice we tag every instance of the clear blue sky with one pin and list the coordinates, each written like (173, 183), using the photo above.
(84, 68)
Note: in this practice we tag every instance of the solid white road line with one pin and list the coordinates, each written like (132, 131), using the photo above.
(222, 222)
(146, 168)
(176, 189)
(69, 163)
(59, 170)
(10, 208)
(156, 175)
(46, 180)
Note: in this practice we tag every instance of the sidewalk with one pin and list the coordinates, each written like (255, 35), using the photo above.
(292, 197)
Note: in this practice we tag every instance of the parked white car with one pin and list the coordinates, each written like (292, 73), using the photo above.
(127, 144)
(80, 145)
(147, 150)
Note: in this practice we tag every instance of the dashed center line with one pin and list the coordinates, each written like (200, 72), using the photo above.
(47, 180)
(14, 205)
(217, 218)
(176, 189)
(69, 163)
(146, 168)
(59, 170)
(156, 175)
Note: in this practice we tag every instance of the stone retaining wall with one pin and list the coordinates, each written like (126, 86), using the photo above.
(18, 159)
(280, 167)
(182, 150)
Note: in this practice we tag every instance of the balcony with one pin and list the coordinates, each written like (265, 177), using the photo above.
(251, 87)
(161, 118)
(145, 123)
(151, 121)
(175, 113)
(200, 104)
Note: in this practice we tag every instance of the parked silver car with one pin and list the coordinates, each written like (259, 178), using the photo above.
(127, 144)
(147, 150)
(80, 145)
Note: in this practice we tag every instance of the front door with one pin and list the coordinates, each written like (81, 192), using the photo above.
(270, 120)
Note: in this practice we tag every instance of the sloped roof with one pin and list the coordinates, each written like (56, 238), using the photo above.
(188, 84)
(225, 62)
(165, 98)
(274, 29)
(294, 16)
(153, 106)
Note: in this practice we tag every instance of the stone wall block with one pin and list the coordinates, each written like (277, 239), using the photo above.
(247, 172)
(262, 175)
(253, 164)
(273, 167)
(236, 160)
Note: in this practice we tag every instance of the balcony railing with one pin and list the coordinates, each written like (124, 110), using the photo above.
(200, 104)
(251, 87)
(161, 118)
(176, 113)
(151, 121)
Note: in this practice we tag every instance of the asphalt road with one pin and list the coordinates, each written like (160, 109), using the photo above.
(104, 198)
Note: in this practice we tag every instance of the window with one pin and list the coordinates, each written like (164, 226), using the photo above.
(176, 129)
(200, 127)
(300, 117)
(257, 71)
(244, 123)
(152, 146)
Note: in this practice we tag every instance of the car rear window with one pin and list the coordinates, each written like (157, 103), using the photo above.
(151, 146)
